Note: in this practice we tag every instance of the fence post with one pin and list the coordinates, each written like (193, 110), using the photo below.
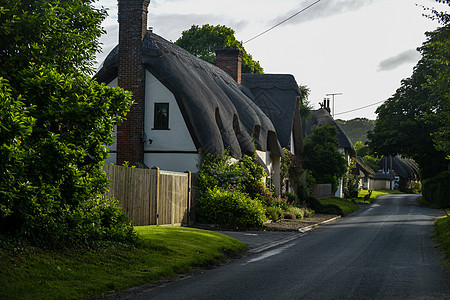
(188, 212)
(157, 194)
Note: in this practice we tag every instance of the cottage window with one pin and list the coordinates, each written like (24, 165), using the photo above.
(161, 118)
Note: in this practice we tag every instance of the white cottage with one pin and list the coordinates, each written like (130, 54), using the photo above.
(184, 105)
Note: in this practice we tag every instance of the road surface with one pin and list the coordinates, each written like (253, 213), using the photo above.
(384, 251)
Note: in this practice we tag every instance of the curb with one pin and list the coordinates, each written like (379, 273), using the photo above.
(301, 232)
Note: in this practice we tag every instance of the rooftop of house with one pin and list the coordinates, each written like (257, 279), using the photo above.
(277, 96)
(322, 116)
(403, 167)
(205, 95)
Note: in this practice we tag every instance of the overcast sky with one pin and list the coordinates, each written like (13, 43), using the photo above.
(360, 48)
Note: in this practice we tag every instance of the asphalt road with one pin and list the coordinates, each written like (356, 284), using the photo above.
(383, 251)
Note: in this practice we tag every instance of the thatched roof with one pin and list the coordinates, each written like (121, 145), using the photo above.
(277, 96)
(322, 116)
(218, 114)
(403, 167)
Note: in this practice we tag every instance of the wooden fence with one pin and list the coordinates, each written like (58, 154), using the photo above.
(151, 196)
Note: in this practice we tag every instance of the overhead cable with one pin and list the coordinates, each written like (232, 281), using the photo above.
(284, 21)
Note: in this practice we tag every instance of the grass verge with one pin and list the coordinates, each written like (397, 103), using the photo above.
(442, 237)
(80, 273)
(348, 206)
(374, 195)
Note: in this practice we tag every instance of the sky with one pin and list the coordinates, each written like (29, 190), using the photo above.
(361, 49)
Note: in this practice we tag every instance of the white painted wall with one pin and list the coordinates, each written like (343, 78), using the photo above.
(273, 164)
(177, 138)
(113, 156)
(167, 142)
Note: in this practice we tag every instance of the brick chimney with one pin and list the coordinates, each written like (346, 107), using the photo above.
(229, 59)
(131, 77)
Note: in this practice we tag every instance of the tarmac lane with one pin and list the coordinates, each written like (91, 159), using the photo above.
(384, 251)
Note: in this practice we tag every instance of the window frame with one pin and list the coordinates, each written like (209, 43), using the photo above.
(157, 124)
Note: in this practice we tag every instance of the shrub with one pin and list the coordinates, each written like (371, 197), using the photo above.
(436, 190)
(219, 206)
(289, 215)
(274, 213)
(299, 212)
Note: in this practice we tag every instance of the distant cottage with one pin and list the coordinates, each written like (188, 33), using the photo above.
(184, 105)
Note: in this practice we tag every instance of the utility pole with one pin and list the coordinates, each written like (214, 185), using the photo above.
(334, 94)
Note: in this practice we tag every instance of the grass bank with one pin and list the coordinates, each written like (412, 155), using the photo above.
(79, 273)
(348, 206)
(442, 237)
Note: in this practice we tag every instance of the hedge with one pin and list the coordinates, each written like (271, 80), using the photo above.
(436, 190)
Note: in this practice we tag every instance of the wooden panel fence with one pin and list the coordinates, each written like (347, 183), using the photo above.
(151, 196)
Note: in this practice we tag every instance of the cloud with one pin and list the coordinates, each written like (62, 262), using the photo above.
(321, 10)
(170, 26)
(406, 57)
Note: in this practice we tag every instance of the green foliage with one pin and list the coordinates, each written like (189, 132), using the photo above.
(63, 34)
(321, 156)
(356, 129)
(436, 190)
(291, 168)
(55, 123)
(350, 183)
(442, 236)
(338, 206)
(231, 193)
(203, 41)
(372, 162)
(316, 205)
(361, 149)
(414, 122)
(274, 213)
(219, 206)
(245, 175)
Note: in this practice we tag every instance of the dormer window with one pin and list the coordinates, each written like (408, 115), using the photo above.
(161, 117)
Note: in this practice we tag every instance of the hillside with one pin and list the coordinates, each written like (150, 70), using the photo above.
(356, 129)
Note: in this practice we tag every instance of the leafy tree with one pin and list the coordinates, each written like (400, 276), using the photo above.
(356, 129)
(55, 121)
(361, 149)
(414, 121)
(436, 51)
(204, 41)
(321, 156)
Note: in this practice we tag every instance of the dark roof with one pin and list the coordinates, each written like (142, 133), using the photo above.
(403, 167)
(277, 96)
(218, 114)
(322, 116)
(383, 176)
(363, 167)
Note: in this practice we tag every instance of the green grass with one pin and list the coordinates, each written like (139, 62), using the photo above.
(346, 205)
(79, 273)
(374, 195)
(442, 237)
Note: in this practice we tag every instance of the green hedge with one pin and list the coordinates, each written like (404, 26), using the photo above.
(436, 190)
(219, 206)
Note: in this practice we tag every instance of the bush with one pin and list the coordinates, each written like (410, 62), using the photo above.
(436, 190)
(219, 206)
(274, 213)
(289, 215)
(299, 212)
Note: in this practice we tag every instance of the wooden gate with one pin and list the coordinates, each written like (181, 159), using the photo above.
(151, 196)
